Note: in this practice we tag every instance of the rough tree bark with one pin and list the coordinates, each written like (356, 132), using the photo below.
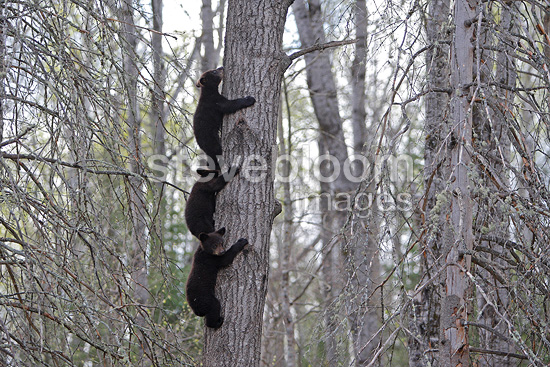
(426, 306)
(454, 344)
(254, 64)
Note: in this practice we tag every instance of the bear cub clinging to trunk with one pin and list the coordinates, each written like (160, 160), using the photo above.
(207, 121)
(201, 203)
(208, 260)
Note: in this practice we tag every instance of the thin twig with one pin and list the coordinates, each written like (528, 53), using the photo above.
(320, 47)
(140, 27)
(17, 137)
(17, 157)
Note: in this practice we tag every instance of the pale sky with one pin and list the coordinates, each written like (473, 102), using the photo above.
(181, 15)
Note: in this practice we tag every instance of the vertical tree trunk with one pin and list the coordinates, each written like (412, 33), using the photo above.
(454, 345)
(209, 57)
(358, 76)
(286, 246)
(363, 265)
(322, 88)
(157, 114)
(136, 196)
(254, 64)
(507, 73)
(363, 262)
(157, 125)
(426, 307)
(493, 136)
(331, 259)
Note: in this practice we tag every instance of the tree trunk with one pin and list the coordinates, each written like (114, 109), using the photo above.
(358, 76)
(493, 297)
(209, 58)
(363, 261)
(136, 196)
(364, 270)
(287, 244)
(424, 323)
(322, 86)
(331, 259)
(323, 93)
(454, 345)
(157, 114)
(254, 64)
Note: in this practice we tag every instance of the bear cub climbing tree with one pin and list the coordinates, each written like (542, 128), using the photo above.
(210, 256)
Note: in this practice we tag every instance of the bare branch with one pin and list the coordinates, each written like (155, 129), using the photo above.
(320, 47)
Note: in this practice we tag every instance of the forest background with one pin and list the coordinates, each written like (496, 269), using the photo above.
(395, 190)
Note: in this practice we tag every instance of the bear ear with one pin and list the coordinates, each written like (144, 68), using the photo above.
(221, 231)
(200, 83)
(203, 236)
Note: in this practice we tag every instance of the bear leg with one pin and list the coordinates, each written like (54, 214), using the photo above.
(213, 150)
(213, 317)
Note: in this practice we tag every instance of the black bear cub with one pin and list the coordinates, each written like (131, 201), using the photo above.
(208, 260)
(201, 203)
(207, 121)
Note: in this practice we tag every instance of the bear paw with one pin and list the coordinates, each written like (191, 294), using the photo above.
(242, 244)
(218, 323)
(249, 101)
(214, 324)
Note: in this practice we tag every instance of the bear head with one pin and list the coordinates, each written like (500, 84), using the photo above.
(212, 243)
(211, 78)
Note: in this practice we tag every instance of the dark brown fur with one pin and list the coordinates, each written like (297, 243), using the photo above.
(201, 203)
(207, 261)
(207, 121)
